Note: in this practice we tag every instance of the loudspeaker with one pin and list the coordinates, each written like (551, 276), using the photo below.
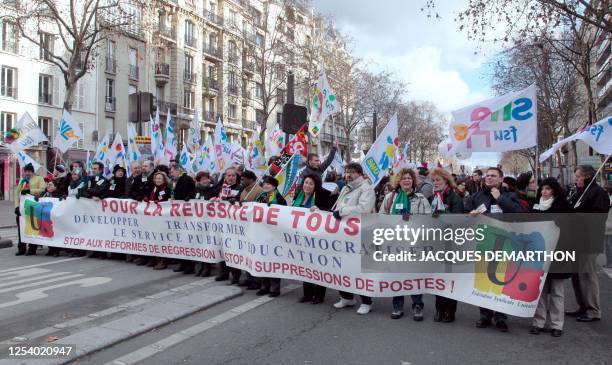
(293, 118)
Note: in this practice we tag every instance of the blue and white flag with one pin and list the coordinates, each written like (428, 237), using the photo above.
(170, 144)
(598, 136)
(185, 160)
(25, 159)
(381, 155)
(68, 132)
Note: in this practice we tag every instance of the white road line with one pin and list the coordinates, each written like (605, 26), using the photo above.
(106, 312)
(43, 264)
(151, 350)
(46, 276)
(23, 273)
(40, 282)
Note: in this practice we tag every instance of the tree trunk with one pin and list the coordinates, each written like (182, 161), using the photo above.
(69, 96)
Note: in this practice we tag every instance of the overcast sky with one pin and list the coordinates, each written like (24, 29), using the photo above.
(437, 61)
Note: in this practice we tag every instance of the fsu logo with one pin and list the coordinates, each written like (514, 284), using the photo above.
(38, 218)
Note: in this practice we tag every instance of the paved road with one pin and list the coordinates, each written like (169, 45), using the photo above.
(251, 330)
(7, 213)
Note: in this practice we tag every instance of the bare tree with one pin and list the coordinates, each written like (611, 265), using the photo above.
(80, 26)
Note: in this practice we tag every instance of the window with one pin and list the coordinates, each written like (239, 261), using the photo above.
(280, 96)
(46, 46)
(9, 37)
(259, 90)
(110, 56)
(212, 71)
(132, 89)
(212, 40)
(9, 82)
(233, 18)
(211, 105)
(232, 52)
(46, 125)
(232, 111)
(188, 98)
(110, 95)
(45, 89)
(232, 78)
(279, 117)
(133, 58)
(259, 40)
(189, 33)
(79, 95)
(7, 121)
(189, 76)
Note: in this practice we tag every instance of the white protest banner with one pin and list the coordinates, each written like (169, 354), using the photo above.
(26, 133)
(504, 123)
(68, 132)
(288, 242)
(323, 104)
(598, 136)
(381, 155)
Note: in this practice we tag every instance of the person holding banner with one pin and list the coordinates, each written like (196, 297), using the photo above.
(116, 184)
(356, 197)
(550, 198)
(96, 189)
(493, 199)
(313, 196)
(183, 189)
(444, 201)
(160, 193)
(588, 197)
(205, 190)
(53, 191)
(402, 200)
(270, 195)
(33, 184)
(251, 189)
(137, 184)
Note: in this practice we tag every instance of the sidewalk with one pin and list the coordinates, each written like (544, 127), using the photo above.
(7, 213)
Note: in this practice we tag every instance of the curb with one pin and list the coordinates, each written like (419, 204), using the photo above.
(108, 334)
(6, 243)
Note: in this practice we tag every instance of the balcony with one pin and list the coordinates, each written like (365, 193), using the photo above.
(233, 59)
(162, 73)
(163, 106)
(248, 66)
(186, 111)
(109, 104)
(248, 36)
(10, 46)
(167, 32)
(191, 41)
(212, 51)
(45, 98)
(209, 83)
(233, 89)
(111, 65)
(249, 124)
(211, 116)
(133, 72)
(8, 91)
(246, 98)
(213, 18)
(328, 137)
(190, 77)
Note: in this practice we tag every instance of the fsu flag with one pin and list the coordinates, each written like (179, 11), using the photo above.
(298, 144)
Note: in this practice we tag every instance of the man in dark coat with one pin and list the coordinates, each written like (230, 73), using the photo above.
(314, 166)
(96, 189)
(494, 199)
(184, 189)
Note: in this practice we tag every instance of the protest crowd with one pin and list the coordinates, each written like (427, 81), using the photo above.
(407, 191)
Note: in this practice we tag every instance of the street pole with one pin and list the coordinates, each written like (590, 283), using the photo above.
(290, 95)
(374, 126)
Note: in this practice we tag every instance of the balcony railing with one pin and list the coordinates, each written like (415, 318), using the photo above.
(9, 45)
(211, 116)
(111, 65)
(190, 76)
(233, 89)
(162, 69)
(166, 31)
(248, 36)
(249, 124)
(45, 98)
(212, 50)
(186, 110)
(110, 105)
(232, 58)
(328, 137)
(191, 41)
(209, 83)
(213, 18)
(133, 70)
(163, 106)
(8, 91)
(248, 66)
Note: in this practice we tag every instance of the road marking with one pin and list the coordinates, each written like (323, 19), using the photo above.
(155, 348)
(43, 264)
(105, 312)
(14, 282)
(71, 276)
(23, 273)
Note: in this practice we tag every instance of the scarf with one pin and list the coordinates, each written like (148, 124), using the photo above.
(437, 204)
(299, 200)
(401, 202)
(545, 205)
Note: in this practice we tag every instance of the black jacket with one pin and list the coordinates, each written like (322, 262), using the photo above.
(184, 188)
(233, 195)
(159, 194)
(321, 169)
(595, 200)
(262, 198)
(138, 187)
(116, 188)
(508, 202)
(205, 192)
(97, 186)
(567, 237)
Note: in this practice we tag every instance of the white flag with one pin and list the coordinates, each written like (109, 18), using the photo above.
(255, 160)
(238, 153)
(26, 133)
(25, 159)
(185, 160)
(322, 105)
(223, 150)
(504, 123)
(102, 151)
(381, 155)
(116, 155)
(598, 136)
(170, 144)
(133, 152)
(337, 165)
(68, 132)
(275, 141)
(157, 144)
(194, 137)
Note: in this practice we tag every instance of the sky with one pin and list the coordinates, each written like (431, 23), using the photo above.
(436, 61)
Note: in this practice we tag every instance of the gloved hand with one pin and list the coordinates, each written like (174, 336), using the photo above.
(25, 191)
(337, 214)
(63, 197)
